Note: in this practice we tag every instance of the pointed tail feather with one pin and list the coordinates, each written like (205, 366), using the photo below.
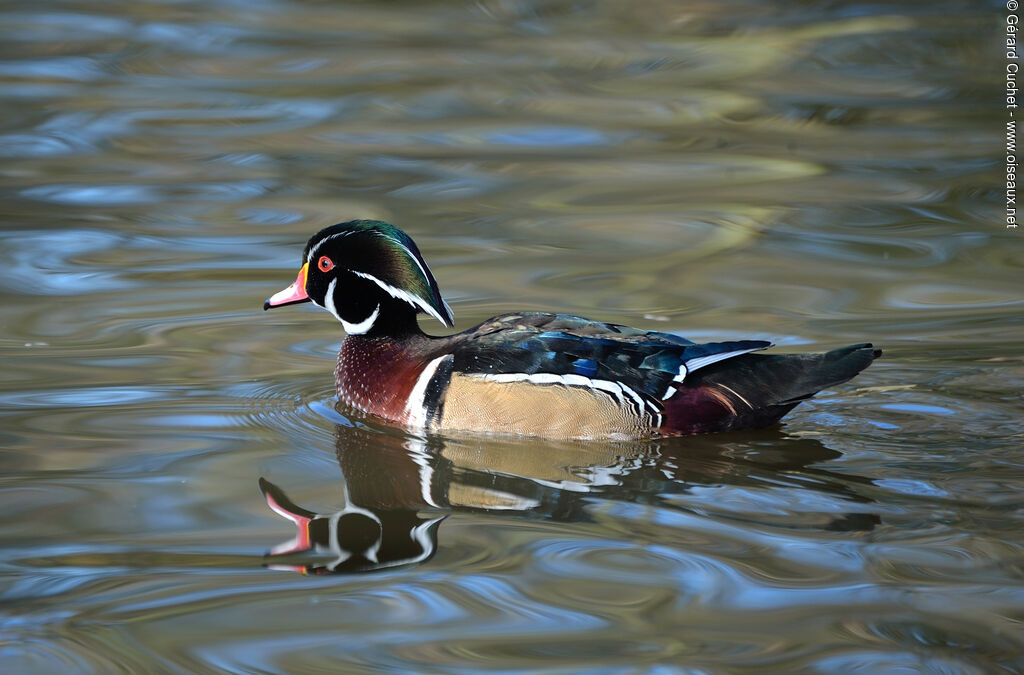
(755, 390)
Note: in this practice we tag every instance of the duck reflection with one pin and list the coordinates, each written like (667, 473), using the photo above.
(398, 489)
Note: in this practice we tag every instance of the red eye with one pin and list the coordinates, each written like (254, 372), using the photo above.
(325, 264)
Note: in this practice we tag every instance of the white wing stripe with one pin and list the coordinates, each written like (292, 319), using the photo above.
(620, 391)
(312, 251)
(636, 398)
(701, 361)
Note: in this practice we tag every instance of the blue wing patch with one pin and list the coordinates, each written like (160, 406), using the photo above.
(536, 344)
(585, 367)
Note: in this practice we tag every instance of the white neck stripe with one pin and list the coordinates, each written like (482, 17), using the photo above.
(415, 410)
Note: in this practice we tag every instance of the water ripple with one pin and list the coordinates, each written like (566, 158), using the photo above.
(815, 175)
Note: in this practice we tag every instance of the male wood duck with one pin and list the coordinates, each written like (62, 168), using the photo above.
(533, 373)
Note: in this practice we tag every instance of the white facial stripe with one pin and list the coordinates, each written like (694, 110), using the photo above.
(312, 251)
(702, 361)
(415, 410)
(399, 294)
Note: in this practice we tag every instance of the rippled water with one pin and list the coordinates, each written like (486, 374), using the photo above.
(813, 173)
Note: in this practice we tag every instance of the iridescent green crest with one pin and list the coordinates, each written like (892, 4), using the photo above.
(382, 253)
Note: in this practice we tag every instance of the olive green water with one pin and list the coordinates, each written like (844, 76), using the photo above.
(813, 173)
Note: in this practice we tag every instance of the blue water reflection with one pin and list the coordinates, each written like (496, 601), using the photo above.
(811, 174)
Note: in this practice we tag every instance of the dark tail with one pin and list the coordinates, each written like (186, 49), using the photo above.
(756, 390)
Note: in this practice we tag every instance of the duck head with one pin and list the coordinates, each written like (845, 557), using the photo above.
(369, 275)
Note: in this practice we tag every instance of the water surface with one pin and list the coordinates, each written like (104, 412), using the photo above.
(815, 174)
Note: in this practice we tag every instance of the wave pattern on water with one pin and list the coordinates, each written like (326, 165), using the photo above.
(813, 175)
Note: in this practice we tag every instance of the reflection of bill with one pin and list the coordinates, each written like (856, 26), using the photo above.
(397, 489)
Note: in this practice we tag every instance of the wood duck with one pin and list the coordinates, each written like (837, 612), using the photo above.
(533, 373)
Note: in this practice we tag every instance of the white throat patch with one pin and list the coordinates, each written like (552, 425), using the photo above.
(363, 326)
(351, 328)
